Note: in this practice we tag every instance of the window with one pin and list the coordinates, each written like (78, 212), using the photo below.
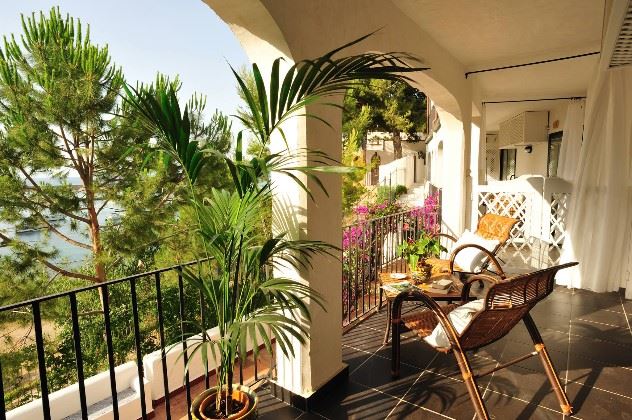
(555, 144)
(507, 164)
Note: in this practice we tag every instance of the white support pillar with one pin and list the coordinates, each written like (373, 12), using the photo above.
(477, 167)
(320, 359)
(454, 172)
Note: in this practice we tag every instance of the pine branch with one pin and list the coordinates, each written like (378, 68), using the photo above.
(37, 188)
(67, 273)
(67, 144)
(7, 240)
(105, 202)
(61, 235)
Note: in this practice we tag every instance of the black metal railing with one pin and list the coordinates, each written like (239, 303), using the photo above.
(369, 248)
(190, 305)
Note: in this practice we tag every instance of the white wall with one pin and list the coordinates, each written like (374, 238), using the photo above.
(533, 163)
(398, 172)
(448, 170)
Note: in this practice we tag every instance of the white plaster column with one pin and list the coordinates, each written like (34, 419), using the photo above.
(320, 359)
(454, 172)
(477, 168)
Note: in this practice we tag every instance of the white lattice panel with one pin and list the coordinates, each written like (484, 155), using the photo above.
(518, 206)
(557, 228)
(525, 245)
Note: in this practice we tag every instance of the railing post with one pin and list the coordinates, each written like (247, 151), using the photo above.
(163, 355)
(3, 415)
(185, 355)
(139, 355)
(41, 359)
(78, 355)
(110, 349)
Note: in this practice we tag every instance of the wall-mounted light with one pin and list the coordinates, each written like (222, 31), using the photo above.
(528, 149)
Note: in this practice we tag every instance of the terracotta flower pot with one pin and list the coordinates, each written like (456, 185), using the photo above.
(425, 271)
(240, 393)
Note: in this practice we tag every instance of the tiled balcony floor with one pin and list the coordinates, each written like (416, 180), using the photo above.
(588, 336)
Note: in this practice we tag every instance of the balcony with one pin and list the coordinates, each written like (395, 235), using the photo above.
(588, 335)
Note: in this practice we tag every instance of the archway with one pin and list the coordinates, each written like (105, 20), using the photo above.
(268, 30)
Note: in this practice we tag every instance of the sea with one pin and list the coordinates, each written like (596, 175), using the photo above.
(70, 256)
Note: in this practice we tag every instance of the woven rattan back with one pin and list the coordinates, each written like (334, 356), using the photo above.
(493, 226)
(506, 303)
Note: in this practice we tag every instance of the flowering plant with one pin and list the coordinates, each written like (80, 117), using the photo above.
(378, 209)
(426, 246)
(428, 214)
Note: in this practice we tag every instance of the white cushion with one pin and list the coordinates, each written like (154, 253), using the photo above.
(460, 318)
(471, 259)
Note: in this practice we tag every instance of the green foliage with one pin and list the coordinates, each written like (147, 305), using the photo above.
(353, 182)
(60, 116)
(243, 291)
(391, 106)
(387, 193)
(400, 190)
(425, 246)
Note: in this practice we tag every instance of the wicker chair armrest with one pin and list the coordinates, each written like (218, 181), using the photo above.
(431, 304)
(467, 284)
(445, 235)
(490, 255)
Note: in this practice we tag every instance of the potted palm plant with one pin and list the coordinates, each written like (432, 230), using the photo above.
(237, 277)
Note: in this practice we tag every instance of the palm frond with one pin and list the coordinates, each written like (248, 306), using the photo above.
(308, 81)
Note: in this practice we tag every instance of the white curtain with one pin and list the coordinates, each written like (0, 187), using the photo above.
(571, 140)
(600, 213)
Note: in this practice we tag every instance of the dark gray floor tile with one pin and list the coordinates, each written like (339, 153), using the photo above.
(552, 306)
(590, 403)
(451, 369)
(502, 407)
(413, 351)
(441, 395)
(597, 352)
(558, 352)
(411, 412)
(271, 408)
(376, 373)
(603, 317)
(311, 416)
(604, 352)
(525, 384)
(616, 335)
(551, 321)
(627, 305)
(377, 321)
(609, 377)
(354, 401)
(354, 357)
(589, 301)
(364, 339)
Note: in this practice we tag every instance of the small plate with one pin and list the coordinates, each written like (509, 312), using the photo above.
(399, 276)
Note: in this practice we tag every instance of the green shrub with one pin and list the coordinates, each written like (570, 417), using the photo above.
(400, 190)
(385, 192)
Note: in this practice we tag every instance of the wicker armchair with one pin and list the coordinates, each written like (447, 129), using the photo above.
(506, 303)
(490, 226)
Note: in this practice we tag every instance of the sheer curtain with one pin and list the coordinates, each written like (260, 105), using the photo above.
(571, 140)
(600, 212)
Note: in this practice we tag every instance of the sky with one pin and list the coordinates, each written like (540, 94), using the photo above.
(176, 37)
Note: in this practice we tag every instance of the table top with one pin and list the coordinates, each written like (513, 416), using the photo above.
(453, 294)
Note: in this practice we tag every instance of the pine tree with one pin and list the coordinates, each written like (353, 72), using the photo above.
(61, 117)
(393, 107)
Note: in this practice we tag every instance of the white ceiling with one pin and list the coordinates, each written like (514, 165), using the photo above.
(479, 32)
(492, 33)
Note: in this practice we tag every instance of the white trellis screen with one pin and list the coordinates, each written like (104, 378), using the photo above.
(540, 205)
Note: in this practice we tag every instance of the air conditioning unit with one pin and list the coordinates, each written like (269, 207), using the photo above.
(524, 129)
